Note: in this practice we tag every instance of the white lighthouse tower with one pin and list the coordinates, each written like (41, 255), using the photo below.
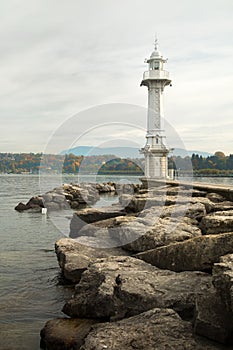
(155, 150)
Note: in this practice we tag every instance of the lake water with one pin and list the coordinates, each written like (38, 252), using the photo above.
(29, 290)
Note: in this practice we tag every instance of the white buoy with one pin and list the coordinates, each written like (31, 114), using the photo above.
(44, 211)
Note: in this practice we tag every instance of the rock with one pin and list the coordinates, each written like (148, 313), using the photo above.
(76, 195)
(198, 253)
(158, 329)
(196, 211)
(52, 206)
(218, 222)
(133, 203)
(222, 206)
(21, 207)
(211, 318)
(168, 205)
(192, 210)
(137, 236)
(35, 204)
(223, 280)
(205, 201)
(105, 187)
(215, 197)
(38, 201)
(59, 198)
(65, 333)
(48, 197)
(75, 205)
(198, 193)
(91, 215)
(143, 287)
(141, 202)
(74, 257)
(97, 236)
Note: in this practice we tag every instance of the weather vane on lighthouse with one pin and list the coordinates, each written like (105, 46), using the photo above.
(156, 43)
(155, 150)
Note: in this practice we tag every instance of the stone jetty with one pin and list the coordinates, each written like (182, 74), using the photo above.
(153, 271)
(67, 196)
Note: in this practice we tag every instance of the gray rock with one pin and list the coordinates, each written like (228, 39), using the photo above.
(48, 197)
(65, 333)
(198, 253)
(215, 197)
(140, 235)
(106, 187)
(21, 207)
(91, 215)
(74, 257)
(158, 329)
(218, 222)
(133, 203)
(223, 280)
(59, 198)
(38, 200)
(222, 206)
(191, 210)
(52, 206)
(211, 318)
(205, 201)
(75, 205)
(143, 287)
(137, 203)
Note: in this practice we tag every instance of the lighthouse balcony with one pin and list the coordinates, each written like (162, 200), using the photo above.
(155, 149)
(156, 74)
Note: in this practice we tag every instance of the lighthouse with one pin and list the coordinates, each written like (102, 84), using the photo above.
(155, 151)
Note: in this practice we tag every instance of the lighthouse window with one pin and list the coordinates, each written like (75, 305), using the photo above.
(157, 141)
(156, 65)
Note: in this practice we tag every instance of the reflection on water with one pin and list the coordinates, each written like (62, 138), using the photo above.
(29, 293)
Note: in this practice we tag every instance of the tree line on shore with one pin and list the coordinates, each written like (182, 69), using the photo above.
(19, 163)
(216, 165)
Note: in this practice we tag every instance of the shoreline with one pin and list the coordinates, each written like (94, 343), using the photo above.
(159, 238)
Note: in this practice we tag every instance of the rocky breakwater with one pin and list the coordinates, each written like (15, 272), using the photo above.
(68, 196)
(164, 279)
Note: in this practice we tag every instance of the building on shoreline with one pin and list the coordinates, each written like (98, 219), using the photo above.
(155, 151)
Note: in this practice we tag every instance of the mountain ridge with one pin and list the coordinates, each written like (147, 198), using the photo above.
(125, 152)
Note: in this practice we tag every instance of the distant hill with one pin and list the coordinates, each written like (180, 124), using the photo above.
(124, 152)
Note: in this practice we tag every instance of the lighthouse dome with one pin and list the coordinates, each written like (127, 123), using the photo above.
(155, 54)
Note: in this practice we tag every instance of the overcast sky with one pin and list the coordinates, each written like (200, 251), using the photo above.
(59, 58)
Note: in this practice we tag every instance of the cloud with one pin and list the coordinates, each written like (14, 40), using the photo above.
(59, 58)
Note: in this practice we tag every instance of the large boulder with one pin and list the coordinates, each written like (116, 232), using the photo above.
(21, 207)
(65, 333)
(215, 197)
(223, 280)
(158, 329)
(74, 257)
(106, 187)
(90, 215)
(34, 204)
(195, 210)
(212, 320)
(141, 287)
(137, 203)
(204, 201)
(143, 234)
(222, 206)
(218, 222)
(198, 253)
(37, 200)
(81, 193)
